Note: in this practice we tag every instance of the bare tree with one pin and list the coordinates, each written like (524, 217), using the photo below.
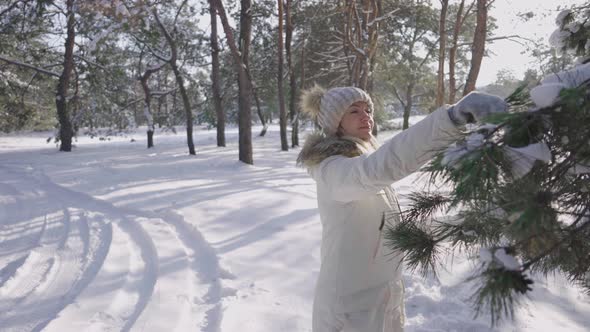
(361, 33)
(293, 115)
(440, 81)
(459, 20)
(302, 69)
(282, 110)
(406, 97)
(147, 100)
(478, 48)
(216, 78)
(61, 98)
(257, 101)
(416, 30)
(172, 61)
(244, 84)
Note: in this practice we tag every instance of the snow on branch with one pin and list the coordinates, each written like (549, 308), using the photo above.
(382, 17)
(29, 66)
(512, 38)
(9, 8)
(100, 36)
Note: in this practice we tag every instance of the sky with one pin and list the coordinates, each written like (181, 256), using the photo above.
(508, 54)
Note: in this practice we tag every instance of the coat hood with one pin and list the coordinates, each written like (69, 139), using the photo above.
(318, 147)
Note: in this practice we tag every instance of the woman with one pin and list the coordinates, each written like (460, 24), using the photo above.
(360, 286)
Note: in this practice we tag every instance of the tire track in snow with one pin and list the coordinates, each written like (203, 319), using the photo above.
(181, 250)
(205, 262)
(60, 264)
(9, 270)
(143, 269)
(110, 297)
(20, 230)
(123, 287)
(33, 272)
(25, 280)
(134, 284)
(67, 228)
(95, 240)
(147, 282)
(144, 273)
(174, 289)
(204, 270)
(71, 263)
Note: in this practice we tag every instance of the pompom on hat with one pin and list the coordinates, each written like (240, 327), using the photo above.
(329, 106)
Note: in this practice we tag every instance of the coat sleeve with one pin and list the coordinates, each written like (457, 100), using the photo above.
(348, 179)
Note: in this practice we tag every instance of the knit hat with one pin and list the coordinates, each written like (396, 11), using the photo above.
(329, 106)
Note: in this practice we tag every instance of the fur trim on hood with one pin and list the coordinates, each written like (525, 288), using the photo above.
(318, 147)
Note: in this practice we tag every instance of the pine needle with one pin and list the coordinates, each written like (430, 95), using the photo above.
(423, 205)
(418, 246)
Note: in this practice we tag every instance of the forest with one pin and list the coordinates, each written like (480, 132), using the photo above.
(127, 219)
(96, 67)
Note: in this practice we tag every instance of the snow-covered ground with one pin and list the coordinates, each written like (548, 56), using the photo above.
(116, 237)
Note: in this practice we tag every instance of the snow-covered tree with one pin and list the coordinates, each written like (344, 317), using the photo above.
(573, 32)
(518, 192)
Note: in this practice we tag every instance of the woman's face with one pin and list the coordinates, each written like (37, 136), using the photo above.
(357, 121)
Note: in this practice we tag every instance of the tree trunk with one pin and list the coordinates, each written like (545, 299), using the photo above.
(293, 118)
(166, 104)
(187, 109)
(302, 78)
(180, 82)
(244, 84)
(282, 110)
(74, 103)
(369, 90)
(148, 114)
(408, 106)
(360, 38)
(161, 99)
(259, 111)
(453, 53)
(244, 113)
(478, 48)
(61, 98)
(216, 78)
(440, 82)
(302, 84)
(361, 34)
(147, 104)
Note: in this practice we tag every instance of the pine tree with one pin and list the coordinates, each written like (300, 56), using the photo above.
(518, 189)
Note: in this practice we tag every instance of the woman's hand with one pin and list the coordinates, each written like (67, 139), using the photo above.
(475, 106)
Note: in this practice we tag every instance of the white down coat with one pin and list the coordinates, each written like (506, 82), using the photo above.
(353, 193)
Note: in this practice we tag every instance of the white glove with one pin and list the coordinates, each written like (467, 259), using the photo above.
(476, 106)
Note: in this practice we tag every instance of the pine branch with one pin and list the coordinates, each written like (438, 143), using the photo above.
(418, 246)
(499, 292)
(477, 226)
(520, 184)
(424, 205)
